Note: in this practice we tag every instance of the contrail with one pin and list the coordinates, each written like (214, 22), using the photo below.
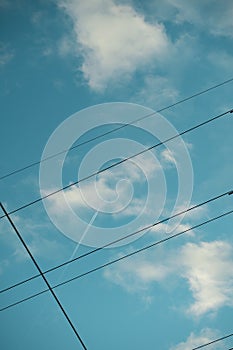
(78, 245)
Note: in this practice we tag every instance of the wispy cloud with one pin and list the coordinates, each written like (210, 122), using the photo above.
(188, 220)
(6, 54)
(163, 228)
(196, 339)
(212, 15)
(65, 46)
(138, 273)
(114, 40)
(35, 233)
(155, 92)
(223, 60)
(3, 265)
(168, 157)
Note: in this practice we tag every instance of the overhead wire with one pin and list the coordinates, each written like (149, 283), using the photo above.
(125, 256)
(118, 163)
(118, 259)
(44, 278)
(148, 227)
(214, 341)
(116, 129)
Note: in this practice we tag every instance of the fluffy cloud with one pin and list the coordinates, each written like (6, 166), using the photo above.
(195, 340)
(113, 191)
(114, 40)
(99, 195)
(138, 273)
(207, 267)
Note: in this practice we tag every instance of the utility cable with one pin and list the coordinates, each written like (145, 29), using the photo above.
(44, 278)
(117, 240)
(117, 260)
(116, 129)
(214, 341)
(118, 163)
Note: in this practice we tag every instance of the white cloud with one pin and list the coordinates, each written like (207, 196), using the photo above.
(223, 60)
(155, 92)
(113, 191)
(194, 214)
(101, 195)
(214, 15)
(168, 156)
(36, 238)
(194, 340)
(137, 170)
(114, 40)
(163, 228)
(183, 221)
(65, 46)
(47, 51)
(3, 265)
(37, 17)
(6, 54)
(138, 273)
(208, 268)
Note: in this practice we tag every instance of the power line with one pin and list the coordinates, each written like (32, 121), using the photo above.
(118, 240)
(119, 162)
(43, 277)
(117, 260)
(214, 341)
(142, 249)
(115, 129)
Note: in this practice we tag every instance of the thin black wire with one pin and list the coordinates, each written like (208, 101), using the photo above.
(214, 341)
(43, 277)
(117, 240)
(116, 129)
(118, 163)
(142, 249)
(117, 260)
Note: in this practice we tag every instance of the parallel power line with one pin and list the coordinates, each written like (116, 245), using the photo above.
(116, 129)
(7, 215)
(148, 227)
(44, 278)
(118, 259)
(119, 162)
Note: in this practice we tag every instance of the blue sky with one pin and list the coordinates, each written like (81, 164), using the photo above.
(58, 59)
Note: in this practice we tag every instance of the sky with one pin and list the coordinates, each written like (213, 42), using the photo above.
(70, 71)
